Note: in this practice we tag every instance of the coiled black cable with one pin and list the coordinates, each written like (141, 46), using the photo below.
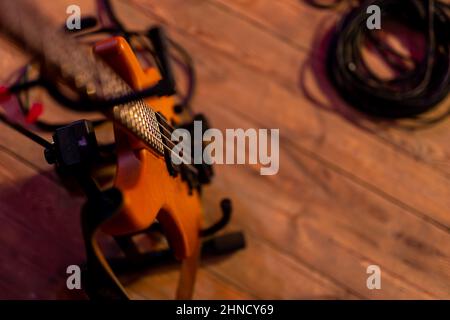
(414, 91)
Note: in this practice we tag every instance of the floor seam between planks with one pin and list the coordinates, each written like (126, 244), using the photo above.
(278, 248)
(258, 25)
(231, 282)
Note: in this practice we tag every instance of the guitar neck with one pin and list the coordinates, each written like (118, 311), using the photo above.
(64, 58)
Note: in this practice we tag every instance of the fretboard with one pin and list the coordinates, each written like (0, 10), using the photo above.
(67, 59)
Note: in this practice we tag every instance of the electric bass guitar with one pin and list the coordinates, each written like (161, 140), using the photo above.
(153, 188)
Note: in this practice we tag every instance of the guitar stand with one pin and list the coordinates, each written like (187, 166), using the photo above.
(99, 279)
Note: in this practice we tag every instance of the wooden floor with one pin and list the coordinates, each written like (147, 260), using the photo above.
(350, 192)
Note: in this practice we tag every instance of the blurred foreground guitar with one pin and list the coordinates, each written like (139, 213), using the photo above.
(153, 189)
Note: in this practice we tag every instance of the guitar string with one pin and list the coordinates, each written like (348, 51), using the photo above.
(184, 160)
(164, 128)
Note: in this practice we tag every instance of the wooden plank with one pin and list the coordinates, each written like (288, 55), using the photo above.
(223, 55)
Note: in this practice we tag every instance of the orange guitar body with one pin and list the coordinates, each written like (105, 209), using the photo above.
(150, 193)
